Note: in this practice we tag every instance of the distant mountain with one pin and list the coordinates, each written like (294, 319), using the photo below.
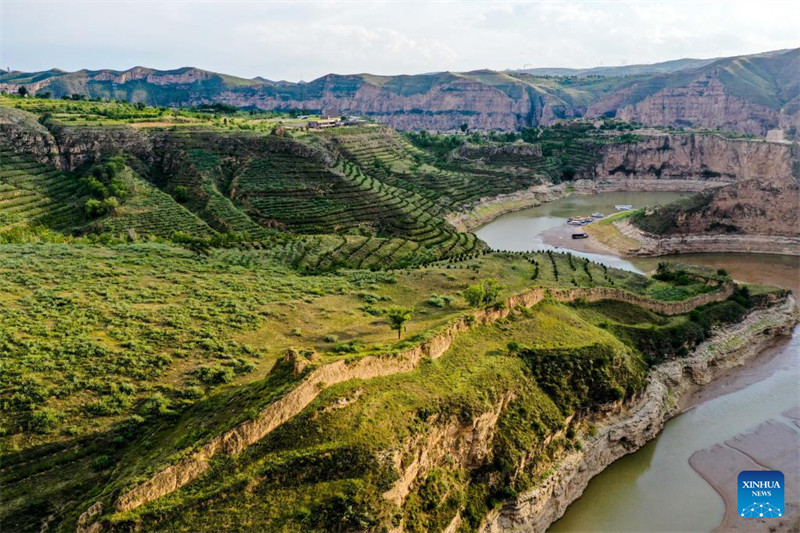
(626, 70)
(749, 94)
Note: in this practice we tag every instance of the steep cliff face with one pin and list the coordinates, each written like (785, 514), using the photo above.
(704, 102)
(760, 195)
(21, 132)
(444, 106)
(752, 207)
(707, 157)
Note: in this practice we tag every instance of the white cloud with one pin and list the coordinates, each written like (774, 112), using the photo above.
(293, 40)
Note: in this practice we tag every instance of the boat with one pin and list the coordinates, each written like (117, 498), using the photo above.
(598, 215)
(623, 207)
(580, 234)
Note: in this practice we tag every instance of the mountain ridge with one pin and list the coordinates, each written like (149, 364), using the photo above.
(748, 94)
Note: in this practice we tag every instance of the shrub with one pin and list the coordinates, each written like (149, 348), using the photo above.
(180, 193)
(101, 462)
(156, 404)
(436, 300)
(44, 420)
(215, 375)
(111, 404)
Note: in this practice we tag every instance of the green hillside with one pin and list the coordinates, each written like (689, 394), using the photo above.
(215, 319)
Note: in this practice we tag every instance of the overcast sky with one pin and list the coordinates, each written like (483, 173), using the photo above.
(305, 40)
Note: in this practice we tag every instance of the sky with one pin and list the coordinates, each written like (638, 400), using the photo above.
(303, 40)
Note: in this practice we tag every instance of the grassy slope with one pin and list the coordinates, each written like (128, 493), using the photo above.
(110, 351)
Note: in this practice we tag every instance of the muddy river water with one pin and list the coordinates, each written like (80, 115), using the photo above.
(655, 488)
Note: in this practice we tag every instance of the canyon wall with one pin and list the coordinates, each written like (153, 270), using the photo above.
(748, 94)
(711, 158)
(702, 103)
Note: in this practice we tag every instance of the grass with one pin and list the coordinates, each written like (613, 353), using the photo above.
(145, 351)
(607, 234)
(132, 337)
(468, 381)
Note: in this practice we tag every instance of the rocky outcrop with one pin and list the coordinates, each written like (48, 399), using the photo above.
(492, 152)
(20, 132)
(641, 420)
(466, 445)
(704, 102)
(710, 158)
(238, 438)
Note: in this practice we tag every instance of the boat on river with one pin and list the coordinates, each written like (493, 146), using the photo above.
(580, 234)
(623, 207)
(598, 215)
(579, 221)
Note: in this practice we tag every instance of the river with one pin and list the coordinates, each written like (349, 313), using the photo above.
(655, 488)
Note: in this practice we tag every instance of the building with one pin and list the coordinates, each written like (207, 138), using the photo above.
(324, 123)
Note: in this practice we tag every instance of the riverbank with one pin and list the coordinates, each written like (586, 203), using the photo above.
(640, 421)
(621, 237)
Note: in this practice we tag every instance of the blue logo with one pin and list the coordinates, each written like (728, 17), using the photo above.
(760, 494)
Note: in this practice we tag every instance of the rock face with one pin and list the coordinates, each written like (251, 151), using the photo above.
(688, 157)
(639, 422)
(759, 197)
(445, 106)
(748, 94)
(703, 102)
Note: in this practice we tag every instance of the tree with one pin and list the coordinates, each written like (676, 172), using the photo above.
(180, 193)
(22, 91)
(474, 294)
(398, 316)
(94, 208)
(464, 127)
(110, 204)
(483, 293)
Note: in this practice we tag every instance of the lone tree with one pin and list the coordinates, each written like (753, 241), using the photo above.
(483, 293)
(398, 316)
(22, 91)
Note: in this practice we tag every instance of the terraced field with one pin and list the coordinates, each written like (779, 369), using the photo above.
(35, 194)
(150, 211)
(459, 179)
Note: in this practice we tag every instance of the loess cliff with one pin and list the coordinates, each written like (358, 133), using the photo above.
(747, 94)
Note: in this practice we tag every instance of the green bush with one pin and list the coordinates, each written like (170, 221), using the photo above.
(584, 377)
(215, 375)
(44, 420)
